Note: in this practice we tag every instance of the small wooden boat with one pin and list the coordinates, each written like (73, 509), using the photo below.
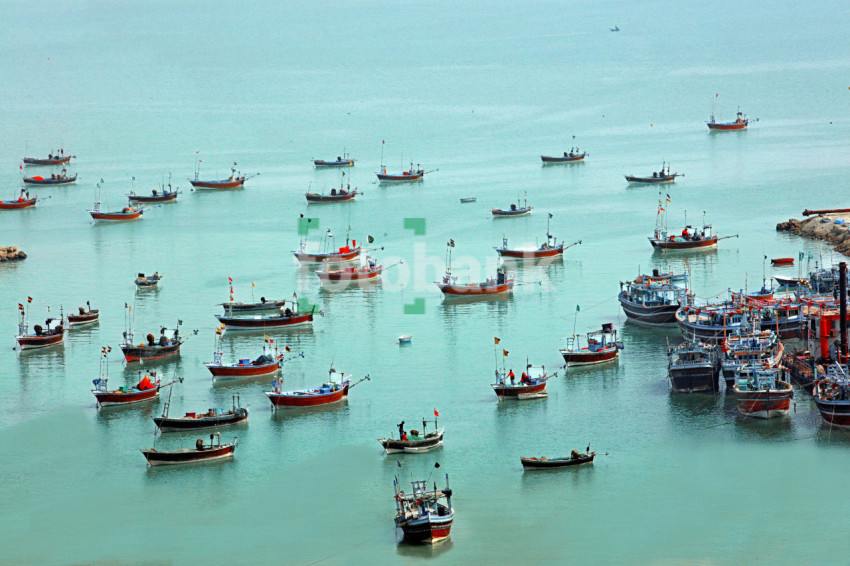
(51, 334)
(126, 213)
(494, 286)
(235, 181)
(23, 201)
(782, 261)
(146, 389)
(348, 252)
(466, 200)
(148, 281)
(689, 239)
(740, 123)
(549, 249)
(263, 305)
(514, 210)
(572, 156)
(154, 349)
(531, 385)
(663, 176)
(406, 339)
(61, 178)
(58, 159)
(84, 316)
(286, 318)
(602, 346)
(574, 459)
(761, 391)
(212, 418)
(268, 362)
(417, 441)
(341, 161)
(163, 194)
(421, 515)
(412, 174)
(215, 450)
(369, 272)
(791, 281)
(329, 392)
(336, 195)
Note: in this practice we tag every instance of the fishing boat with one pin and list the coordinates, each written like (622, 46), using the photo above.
(329, 392)
(126, 213)
(782, 261)
(286, 317)
(466, 200)
(336, 195)
(152, 349)
(762, 294)
(572, 156)
(791, 282)
(761, 391)
(23, 201)
(492, 286)
(416, 441)
(348, 252)
(514, 210)
(711, 322)
(164, 194)
(51, 334)
(601, 346)
(85, 315)
(743, 348)
(212, 418)
(405, 339)
(341, 161)
(831, 393)
(371, 271)
(659, 276)
(263, 305)
(549, 249)
(51, 159)
(268, 362)
(147, 388)
(575, 458)
(421, 515)
(148, 281)
(662, 176)
(689, 239)
(693, 367)
(61, 178)
(235, 181)
(740, 122)
(531, 384)
(649, 302)
(215, 450)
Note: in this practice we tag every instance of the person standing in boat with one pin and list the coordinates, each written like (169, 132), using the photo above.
(511, 375)
(401, 433)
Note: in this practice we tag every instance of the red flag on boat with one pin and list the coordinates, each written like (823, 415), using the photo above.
(230, 279)
(29, 299)
(496, 339)
(436, 414)
(504, 352)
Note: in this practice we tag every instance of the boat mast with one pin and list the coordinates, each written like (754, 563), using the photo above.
(197, 164)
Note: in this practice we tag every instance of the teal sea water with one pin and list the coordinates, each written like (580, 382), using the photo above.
(477, 91)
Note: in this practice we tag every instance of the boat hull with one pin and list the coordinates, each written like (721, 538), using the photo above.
(411, 446)
(32, 342)
(15, 204)
(116, 216)
(399, 178)
(836, 413)
(294, 399)
(236, 370)
(520, 392)
(304, 257)
(427, 529)
(317, 198)
(726, 126)
(188, 456)
(586, 357)
(656, 315)
(499, 213)
(531, 254)
(166, 424)
(139, 353)
(253, 307)
(341, 163)
(106, 398)
(343, 275)
(703, 378)
(81, 319)
(763, 404)
(551, 463)
(682, 245)
(476, 290)
(651, 180)
(37, 161)
(65, 181)
(261, 322)
(223, 184)
(151, 198)
(557, 159)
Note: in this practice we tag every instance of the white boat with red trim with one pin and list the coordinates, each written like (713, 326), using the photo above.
(424, 516)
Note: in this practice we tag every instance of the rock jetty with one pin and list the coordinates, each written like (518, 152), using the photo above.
(832, 228)
(11, 253)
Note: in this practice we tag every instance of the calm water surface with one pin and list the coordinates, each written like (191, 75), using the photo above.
(478, 92)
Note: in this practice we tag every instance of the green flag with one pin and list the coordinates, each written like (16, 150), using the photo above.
(577, 308)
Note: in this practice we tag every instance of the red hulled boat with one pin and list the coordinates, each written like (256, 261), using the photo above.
(269, 362)
(740, 123)
(344, 253)
(420, 515)
(145, 390)
(84, 316)
(329, 392)
(689, 239)
(58, 159)
(494, 286)
(23, 201)
(530, 385)
(235, 181)
(369, 272)
(782, 261)
(126, 213)
(761, 391)
(51, 334)
(602, 346)
(153, 349)
(550, 249)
